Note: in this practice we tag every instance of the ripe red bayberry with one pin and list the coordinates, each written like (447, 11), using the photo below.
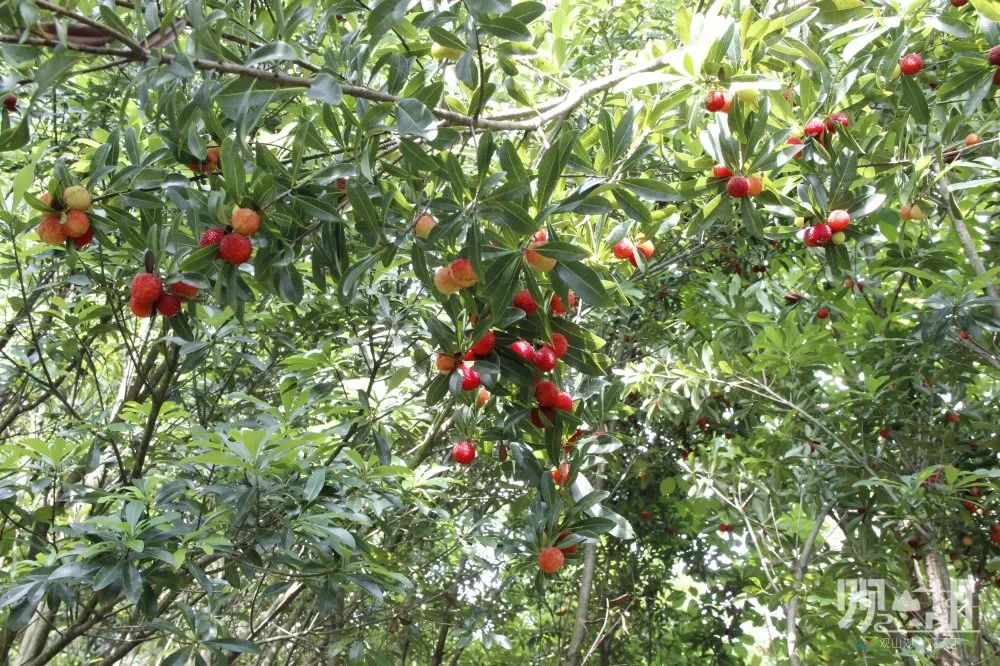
(959, 3)
(911, 64)
(550, 560)
(996, 77)
(818, 235)
(814, 127)
(146, 288)
(951, 417)
(183, 289)
(525, 302)
(470, 378)
(463, 452)
(836, 120)
(738, 187)
(83, 241)
(795, 141)
(963, 334)
(10, 101)
(838, 220)
(703, 422)
(560, 344)
(715, 101)
(545, 358)
(563, 402)
(484, 346)
(560, 475)
(644, 515)
(721, 171)
(212, 236)
(567, 550)
(541, 417)
(140, 309)
(523, 349)
(993, 56)
(463, 273)
(623, 249)
(823, 313)
(725, 527)
(168, 305)
(235, 249)
(546, 392)
(559, 308)
(885, 433)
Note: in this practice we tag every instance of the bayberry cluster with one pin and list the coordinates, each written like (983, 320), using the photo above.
(64, 217)
(148, 295)
(456, 276)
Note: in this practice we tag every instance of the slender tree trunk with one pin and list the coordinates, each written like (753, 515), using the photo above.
(792, 608)
(583, 602)
(940, 593)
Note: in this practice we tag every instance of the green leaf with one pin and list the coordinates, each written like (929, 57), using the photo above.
(584, 281)
(413, 118)
(562, 251)
(913, 98)
(272, 51)
(326, 89)
(551, 166)
(502, 276)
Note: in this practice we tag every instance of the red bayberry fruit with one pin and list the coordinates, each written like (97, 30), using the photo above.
(470, 378)
(559, 308)
(836, 120)
(814, 127)
(84, 240)
(545, 358)
(563, 402)
(820, 234)
(715, 101)
(560, 344)
(624, 248)
(212, 236)
(560, 475)
(959, 3)
(463, 452)
(235, 249)
(469, 356)
(996, 77)
(550, 560)
(911, 64)
(952, 417)
(721, 171)
(146, 288)
(485, 344)
(140, 309)
(245, 221)
(168, 305)
(963, 334)
(546, 392)
(541, 417)
(567, 550)
(738, 187)
(993, 56)
(523, 349)
(703, 422)
(838, 220)
(10, 101)
(445, 363)
(463, 273)
(183, 289)
(822, 313)
(644, 515)
(525, 302)
(646, 249)
(885, 433)
(795, 141)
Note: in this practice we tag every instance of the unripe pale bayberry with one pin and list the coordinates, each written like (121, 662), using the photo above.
(911, 64)
(77, 198)
(838, 220)
(146, 288)
(560, 474)
(445, 281)
(245, 221)
(525, 302)
(140, 309)
(183, 289)
(560, 344)
(212, 236)
(235, 249)
(51, 231)
(470, 378)
(814, 127)
(424, 225)
(485, 344)
(168, 305)
(721, 171)
(462, 272)
(545, 358)
(738, 187)
(550, 559)
(545, 393)
(482, 397)
(524, 349)
(463, 452)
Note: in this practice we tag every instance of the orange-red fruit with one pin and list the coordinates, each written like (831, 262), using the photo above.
(84, 240)
(76, 224)
(424, 225)
(823, 313)
(795, 141)
(212, 236)
(146, 288)
(469, 355)
(445, 363)
(644, 515)
(567, 550)
(814, 127)
(445, 281)
(738, 187)
(715, 101)
(754, 186)
(623, 249)
(818, 235)
(885, 433)
(485, 344)
(525, 302)
(836, 120)
(721, 171)
(559, 308)
(51, 231)
(550, 559)
(952, 417)
(482, 397)
(462, 272)
(560, 344)
(563, 402)
(963, 334)
(911, 64)
(470, 378)
(183, 289)
(545, 393)
(463, 452)
(140, 309)
(545, 358)
(838, 220)
(560, 475)
(537, 415)
(168, 305)
(235, 249)
(972, 139)
(245, 221)
(524, 349)
(645, 248)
